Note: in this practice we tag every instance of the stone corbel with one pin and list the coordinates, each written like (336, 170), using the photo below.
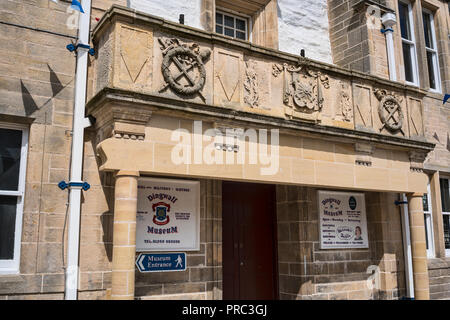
(416, 159)
(363, 156)
(121, 122)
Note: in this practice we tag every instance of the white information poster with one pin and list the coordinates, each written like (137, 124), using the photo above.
(342, 220)
(168, 215)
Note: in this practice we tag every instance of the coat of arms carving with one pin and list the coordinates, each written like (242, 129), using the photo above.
(303, 90)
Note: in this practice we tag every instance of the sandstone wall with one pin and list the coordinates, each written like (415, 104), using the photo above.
(307, 272)
(37, 86)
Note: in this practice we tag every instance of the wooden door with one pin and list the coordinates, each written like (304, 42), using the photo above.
(249, 241)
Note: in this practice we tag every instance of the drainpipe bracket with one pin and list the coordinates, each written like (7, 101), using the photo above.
(383, 31)
(74, 185)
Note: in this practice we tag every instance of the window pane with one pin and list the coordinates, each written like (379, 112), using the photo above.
(229, 21)
(10, 148)
(219, 29)
(446, 230)
(219, 18)
(7, 226)
(445, 195)
(426, 230)
(431, 75)
(407, 59)
(425, 202)
(240, 35)
(229, 32)
(427, 30)
(240, 24)
(404, 20)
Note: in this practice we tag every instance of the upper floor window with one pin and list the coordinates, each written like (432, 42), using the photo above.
(13, 156)
(408, 42)
(231, 25)
(431, 50)
(445, 199)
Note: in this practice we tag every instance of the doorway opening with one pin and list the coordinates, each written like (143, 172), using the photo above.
(249, 241)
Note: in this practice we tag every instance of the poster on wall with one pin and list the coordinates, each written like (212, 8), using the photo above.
(168, 215)
(342, 220)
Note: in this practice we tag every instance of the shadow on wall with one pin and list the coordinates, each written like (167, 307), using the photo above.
(107, 190)
(29, 103)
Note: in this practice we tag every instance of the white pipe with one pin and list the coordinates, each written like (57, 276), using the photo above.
(71, 287)
(391, 56)
(388, 20)
(407, 247)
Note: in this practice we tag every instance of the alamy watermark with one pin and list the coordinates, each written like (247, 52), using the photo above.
(227, 146)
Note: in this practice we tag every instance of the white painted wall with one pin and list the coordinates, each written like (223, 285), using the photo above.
(170, 9)
(303, 24)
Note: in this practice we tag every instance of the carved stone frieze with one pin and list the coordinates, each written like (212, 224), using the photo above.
(390, 111)
(183, 67)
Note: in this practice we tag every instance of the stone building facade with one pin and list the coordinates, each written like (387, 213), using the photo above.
(335, 132)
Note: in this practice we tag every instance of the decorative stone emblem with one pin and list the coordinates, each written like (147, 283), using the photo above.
(345, 107)
(390, 111)
(189, 75)
(302, 87)
(251, 95)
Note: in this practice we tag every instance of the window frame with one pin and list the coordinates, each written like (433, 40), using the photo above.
(428, 218)
(447, 251)
(412, 44)
(234, 15)
(434, 51)
(13, 266)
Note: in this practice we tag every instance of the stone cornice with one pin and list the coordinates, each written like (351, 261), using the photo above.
(121, 13)
(207, 112)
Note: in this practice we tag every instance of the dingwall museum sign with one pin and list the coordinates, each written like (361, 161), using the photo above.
(168, 215)
(342, 220)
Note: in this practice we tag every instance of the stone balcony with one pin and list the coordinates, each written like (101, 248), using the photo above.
(146, 64)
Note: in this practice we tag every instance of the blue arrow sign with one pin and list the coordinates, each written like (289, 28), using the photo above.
(160, 262)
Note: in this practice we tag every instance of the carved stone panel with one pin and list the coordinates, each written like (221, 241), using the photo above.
(339, 106)
(415, 112)
(228, 78)
(362, 105)
(303, 90)
(257, 86)
(182, 69)
(391, 113)
(251, 90)
(135, 58)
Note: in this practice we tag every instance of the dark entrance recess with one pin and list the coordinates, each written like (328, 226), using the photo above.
(249, 241)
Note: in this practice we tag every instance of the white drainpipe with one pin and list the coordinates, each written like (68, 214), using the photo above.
(388, 20)
(79, 123)
(407, 247)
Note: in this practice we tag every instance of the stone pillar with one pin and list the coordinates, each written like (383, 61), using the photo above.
(436, 208)
(124, 235)
(418, 246)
